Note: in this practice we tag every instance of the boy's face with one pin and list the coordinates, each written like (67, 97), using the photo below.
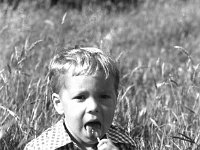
(88, 103)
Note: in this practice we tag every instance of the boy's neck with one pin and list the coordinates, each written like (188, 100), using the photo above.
(84, 146)
(88, 147)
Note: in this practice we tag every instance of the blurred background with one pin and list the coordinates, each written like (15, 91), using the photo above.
(156, 44)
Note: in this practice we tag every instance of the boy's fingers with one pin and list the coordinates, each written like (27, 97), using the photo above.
(106, 144)
(102, 142)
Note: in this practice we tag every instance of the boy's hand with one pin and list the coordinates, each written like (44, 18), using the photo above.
(106, 144)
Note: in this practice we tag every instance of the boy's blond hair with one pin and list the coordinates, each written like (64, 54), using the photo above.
(81, 61)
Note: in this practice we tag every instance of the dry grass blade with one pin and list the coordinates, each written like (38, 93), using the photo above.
(174, 82)
(10, 112)
(127, 89)
(119, 56)
(63, 18)
(34, 44)
(189, 109)
(184, 51)
(3, 29)
(184, 138)
(154, 123)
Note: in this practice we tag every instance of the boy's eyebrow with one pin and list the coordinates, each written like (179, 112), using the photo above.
(75, 95)
(108, 92)
(83, 91)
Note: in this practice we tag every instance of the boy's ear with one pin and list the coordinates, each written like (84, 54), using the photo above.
(57, 103)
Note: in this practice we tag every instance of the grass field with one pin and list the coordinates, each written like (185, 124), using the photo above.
(157, 49)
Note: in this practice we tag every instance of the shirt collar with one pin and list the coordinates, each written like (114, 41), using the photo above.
(61, 134)
(115, 133)
(57, 136)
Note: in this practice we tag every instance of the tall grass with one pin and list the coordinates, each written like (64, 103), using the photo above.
(157, 51)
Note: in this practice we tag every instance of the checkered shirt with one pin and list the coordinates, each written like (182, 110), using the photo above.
(57, 138)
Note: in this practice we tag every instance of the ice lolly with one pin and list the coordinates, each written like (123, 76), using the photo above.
(94, 131)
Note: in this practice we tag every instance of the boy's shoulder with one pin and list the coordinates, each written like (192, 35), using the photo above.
(52, 138)
(120, 136)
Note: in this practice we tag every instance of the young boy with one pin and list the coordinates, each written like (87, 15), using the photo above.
(84, 84)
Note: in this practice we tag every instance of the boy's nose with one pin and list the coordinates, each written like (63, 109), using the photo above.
(92, 105)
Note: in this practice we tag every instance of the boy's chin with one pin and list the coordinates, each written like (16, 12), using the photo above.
(91, 140)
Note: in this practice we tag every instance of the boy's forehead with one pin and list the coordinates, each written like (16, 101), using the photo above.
(99, 75)
(85, 83)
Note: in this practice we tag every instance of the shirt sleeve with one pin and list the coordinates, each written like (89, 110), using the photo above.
(121, 138)
(123, 146)
(28, 147)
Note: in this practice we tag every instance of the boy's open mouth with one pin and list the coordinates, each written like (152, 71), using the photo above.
(93, 128)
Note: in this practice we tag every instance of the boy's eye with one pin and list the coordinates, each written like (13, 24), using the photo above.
(104, 96)
(80, 97)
